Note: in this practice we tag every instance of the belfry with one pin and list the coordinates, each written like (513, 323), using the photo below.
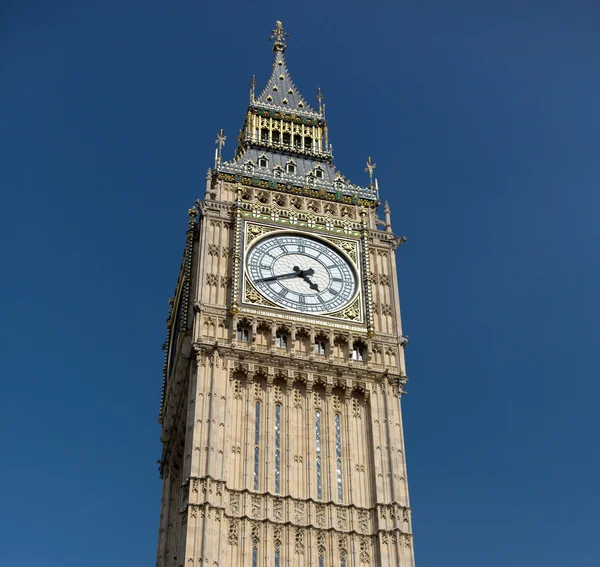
(284, 369)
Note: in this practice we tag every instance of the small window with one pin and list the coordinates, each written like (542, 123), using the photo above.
(308, 143)
(275, 88)
(290, 91)
(281, 340)
(264, 135)
(286, 138)
(263, 162)
(358, 352)
(284, 101)
(269, 98)
(243, 334)
(275, 137)
(320, 347)
(319, 173)
(300, 105)
(291, 168)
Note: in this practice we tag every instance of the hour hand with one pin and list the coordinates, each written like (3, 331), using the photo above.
(309, 281)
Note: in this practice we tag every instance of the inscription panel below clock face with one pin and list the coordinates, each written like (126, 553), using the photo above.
(301, 273)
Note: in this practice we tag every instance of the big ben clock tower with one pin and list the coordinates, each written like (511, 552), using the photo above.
(284, 366)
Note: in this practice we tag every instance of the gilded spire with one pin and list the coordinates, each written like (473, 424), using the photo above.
(278, 37)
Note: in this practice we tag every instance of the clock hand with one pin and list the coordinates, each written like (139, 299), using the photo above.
(308, 280)
(297, 272)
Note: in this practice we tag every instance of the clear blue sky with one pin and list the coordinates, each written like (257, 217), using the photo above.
(484, 121)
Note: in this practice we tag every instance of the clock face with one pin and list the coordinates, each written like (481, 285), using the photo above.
(301, 273)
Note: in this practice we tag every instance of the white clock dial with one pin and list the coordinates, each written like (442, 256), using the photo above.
(301, 273)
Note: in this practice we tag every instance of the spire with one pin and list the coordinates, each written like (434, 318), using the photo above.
(281, 91)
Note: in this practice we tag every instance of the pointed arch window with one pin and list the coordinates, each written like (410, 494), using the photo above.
(318, 171)
(358, 351)
(256, 444)
(277, 448)
(243, 333)
(320, 347)
(338, 455)
(263, 162)
(291, 166)
(318, 454)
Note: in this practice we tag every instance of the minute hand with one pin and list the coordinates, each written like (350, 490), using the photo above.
(280, 276)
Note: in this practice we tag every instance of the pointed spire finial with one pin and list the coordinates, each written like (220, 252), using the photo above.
(278, 37)
(220, 141)
(370, 167)
(253, 85)
(320, 99)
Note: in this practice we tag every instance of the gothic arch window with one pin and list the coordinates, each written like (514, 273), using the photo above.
(264, 135)
(257, 409)
(243, 333)
(281, 339)
(263, 162)
(308, 142)
(287, 137)
(275, 137)
(291, 166)
(320, 346)
(359, 351)
(338, 455)
(277, 448)
(318, 172)
(318, 454)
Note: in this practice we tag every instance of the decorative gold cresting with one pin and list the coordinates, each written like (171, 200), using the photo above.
(278, 37)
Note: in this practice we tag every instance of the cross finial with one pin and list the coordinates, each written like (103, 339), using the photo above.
(370, 167)
(320, 99)
(253, 85)
(220, 141)
(278, 37)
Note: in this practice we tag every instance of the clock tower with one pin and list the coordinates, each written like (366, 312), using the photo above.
(284, 367)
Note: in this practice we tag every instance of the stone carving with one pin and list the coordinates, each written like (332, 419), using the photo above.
(364, 546)
(278, 510)
(237, 390)
(356, 408)
(363, 520)
(233, 533)
(277, 536)
(211, 279)
(320, 515)
(298, 459)
(255, 506)
(213, 249)
(225, 282)
(299, 541)
(299, 512)
(342, 545)
(342, 518)
(255, 533)
(234, 503)
(387, 309)
(297, 399)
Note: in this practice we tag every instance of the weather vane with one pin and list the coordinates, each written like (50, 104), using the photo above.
(370, 167)
(220, 141)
